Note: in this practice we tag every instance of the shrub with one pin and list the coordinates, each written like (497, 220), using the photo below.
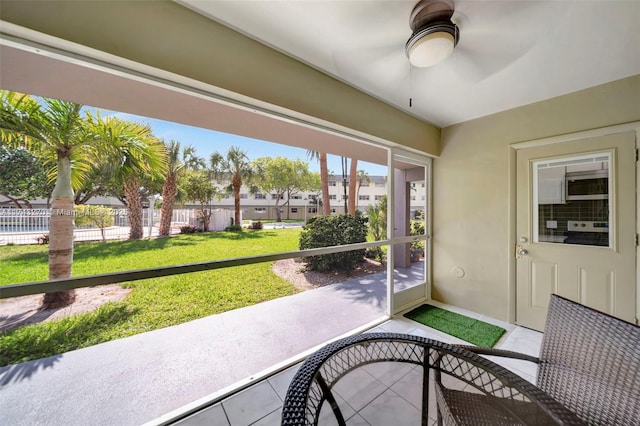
(417, 228)
(98, 216)
(375, 253)
(43, 239)
(233, 228)
(256, 225)
(188, 229)
(327, 231)
(90, 215)
(377, 215)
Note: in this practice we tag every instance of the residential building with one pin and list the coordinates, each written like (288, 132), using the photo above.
(262, 206)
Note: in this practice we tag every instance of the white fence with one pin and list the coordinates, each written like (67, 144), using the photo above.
(28, 226)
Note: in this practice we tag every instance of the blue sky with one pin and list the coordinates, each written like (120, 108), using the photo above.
(205, 140)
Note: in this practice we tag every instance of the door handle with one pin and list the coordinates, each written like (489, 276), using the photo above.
(520, 251)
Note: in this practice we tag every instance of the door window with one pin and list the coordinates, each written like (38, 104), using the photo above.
(571, 200)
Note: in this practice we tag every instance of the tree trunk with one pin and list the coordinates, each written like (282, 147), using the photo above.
(169, 190)
(237, 185)
(82, 198)
(324, 177)
(206, 217)
(132, 194)
(61, 235)
(353, 178)
(236, 207)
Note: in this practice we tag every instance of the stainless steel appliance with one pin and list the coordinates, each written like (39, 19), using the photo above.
(590, 185)
(586, 232)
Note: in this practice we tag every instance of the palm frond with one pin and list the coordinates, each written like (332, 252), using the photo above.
(131, 146)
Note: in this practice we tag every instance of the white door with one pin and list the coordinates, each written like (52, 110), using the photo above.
(409, 240)
(576, 227)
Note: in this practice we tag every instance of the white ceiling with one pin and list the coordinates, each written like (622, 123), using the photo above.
(511, 52)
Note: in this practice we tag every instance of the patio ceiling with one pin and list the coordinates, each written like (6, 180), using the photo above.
(71, 79)
(511, 53)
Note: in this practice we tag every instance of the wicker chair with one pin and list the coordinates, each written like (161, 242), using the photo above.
(506, 397)
(589, 362)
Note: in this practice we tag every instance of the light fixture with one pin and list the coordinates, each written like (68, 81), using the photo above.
(434, 35)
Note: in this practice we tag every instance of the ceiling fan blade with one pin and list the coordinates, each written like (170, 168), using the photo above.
(386, 61)
(485, 49)
(480, 63)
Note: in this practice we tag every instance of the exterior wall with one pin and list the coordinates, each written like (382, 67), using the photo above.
(254, 208)
(473, 192)
(41, 203)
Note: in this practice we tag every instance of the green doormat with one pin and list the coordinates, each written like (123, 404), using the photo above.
(468, 329)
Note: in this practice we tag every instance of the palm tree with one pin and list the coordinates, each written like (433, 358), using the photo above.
(236, 165)
(135, 152)
(177, 163)
(353, 178)
(377, 215)
(324, 179)
(362, 177)
(56, 131)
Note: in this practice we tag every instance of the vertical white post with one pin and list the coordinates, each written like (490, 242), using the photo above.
(390, 227)
(150, 213)
(152, 203)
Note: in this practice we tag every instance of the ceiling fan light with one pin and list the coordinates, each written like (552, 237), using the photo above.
(430, 49)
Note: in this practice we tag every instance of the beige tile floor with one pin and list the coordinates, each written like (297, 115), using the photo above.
(378, 394)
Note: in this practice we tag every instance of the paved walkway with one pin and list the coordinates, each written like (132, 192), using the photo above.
(137, 379)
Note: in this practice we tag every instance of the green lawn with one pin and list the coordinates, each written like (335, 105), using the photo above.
(153, 303)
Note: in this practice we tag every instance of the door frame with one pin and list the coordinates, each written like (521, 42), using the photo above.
(425, 162)
(512, 192)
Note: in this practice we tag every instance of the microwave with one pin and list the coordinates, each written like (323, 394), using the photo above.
(591, 185)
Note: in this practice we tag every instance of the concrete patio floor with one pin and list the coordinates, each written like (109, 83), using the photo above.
(137, 379)
(380, 394)
(152, 376)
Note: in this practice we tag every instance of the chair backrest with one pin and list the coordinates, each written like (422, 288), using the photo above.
(590, 362)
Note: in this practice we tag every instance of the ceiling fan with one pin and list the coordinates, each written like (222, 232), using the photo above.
(434, 35)
(492, 36)
(473, 41)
